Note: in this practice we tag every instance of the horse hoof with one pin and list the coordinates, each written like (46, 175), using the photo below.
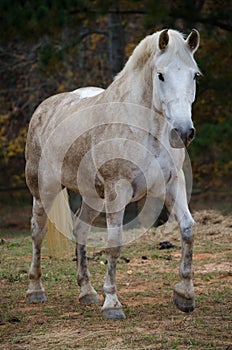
(183, 304)
(113, 314)
(36, 297)
(89, 299)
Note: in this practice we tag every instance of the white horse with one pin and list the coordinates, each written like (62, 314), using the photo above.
(114, 146)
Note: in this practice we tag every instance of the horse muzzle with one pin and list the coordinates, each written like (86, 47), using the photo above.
(180, 139)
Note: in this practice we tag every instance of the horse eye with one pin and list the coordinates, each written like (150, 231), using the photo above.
(160, 76)
(196, 76)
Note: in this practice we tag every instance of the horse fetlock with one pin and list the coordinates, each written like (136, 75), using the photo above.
(35, 284)
(109, 289)
(83, 279)
(186, 272)
(35, 274)
(88, 299)
(88, 294)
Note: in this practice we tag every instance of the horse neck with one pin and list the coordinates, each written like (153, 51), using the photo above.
(137, 88)
(133, 87)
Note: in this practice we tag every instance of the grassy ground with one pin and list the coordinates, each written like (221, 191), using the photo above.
(145, 285)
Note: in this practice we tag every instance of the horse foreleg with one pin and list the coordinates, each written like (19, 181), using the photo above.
(87, 295)
(176, 202)
(36, 293)
(112, 308)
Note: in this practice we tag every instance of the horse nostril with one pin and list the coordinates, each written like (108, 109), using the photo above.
(191, 134)
(174, 133)
(176, 140)
(180, 138)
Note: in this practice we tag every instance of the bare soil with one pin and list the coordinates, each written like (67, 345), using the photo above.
(145, 285)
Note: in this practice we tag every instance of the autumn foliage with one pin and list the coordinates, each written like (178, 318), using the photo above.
(51, 46)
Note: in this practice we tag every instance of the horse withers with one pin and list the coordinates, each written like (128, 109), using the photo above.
(113, 147)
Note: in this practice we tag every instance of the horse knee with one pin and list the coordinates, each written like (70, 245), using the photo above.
(186, 226)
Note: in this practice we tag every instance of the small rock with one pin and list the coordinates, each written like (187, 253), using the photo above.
(144, 257)
(90, 258)
(166, 245)
(21, 270)
(98, 254)
(14, 320)
(127, 260)
(169, 257)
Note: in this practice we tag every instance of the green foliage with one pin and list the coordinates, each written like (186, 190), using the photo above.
(32, 19)
(215, 140)
(49, 46)
(155, 11)
(51, 58)
(212, 155)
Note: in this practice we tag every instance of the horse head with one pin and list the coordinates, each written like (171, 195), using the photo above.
(174, 83)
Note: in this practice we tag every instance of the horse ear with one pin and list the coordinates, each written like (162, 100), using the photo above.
(193, 40)
(163, 39)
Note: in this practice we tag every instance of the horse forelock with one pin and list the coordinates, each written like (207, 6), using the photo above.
(177, 48)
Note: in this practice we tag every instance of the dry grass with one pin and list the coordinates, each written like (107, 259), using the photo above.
(145, 289)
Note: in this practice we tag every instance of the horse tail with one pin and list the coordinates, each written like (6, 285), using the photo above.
(59, 236)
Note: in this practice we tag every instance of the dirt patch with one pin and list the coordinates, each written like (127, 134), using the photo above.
(145, 288)
(212, 222)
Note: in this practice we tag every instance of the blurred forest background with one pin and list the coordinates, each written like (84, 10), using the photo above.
(52, 46)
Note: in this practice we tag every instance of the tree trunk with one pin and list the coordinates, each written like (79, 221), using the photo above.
(116, 39)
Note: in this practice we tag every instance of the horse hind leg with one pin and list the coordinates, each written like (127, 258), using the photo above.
(35, 292)
(88, 295)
